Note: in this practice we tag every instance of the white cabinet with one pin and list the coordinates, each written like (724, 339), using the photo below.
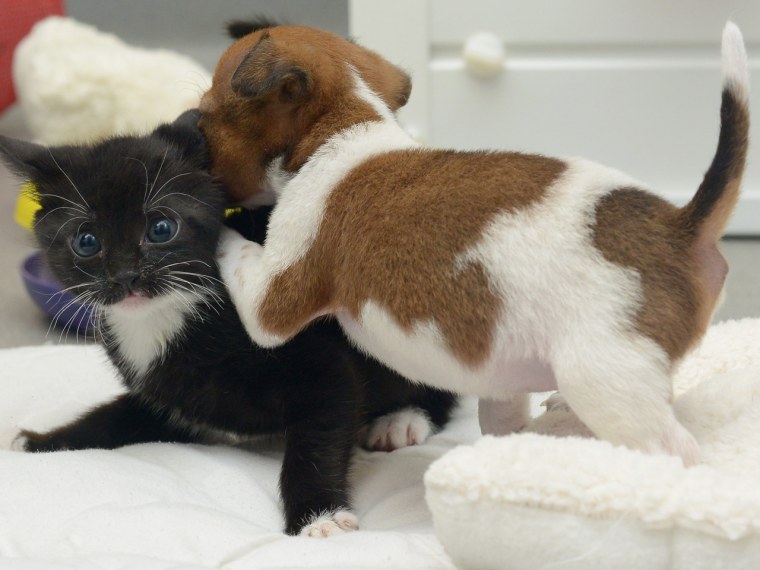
(634, 84)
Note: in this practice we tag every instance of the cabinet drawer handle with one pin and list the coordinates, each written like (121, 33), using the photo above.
(483, 54)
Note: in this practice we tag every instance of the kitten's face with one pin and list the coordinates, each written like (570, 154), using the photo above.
(128, 221)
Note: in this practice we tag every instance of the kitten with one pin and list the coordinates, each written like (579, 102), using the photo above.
(131, 225)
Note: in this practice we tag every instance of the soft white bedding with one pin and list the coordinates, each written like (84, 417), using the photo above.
(524, 501)
(161, 506)
(538, 501)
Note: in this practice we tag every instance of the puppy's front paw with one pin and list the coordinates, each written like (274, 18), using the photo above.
(410, 426)
(231, 245)
(330, 524)
(233, 253)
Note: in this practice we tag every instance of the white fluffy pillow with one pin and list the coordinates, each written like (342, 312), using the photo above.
(77, 84)
(535, 500)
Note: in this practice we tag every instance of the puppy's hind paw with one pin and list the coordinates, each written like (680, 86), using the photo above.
(330, 524)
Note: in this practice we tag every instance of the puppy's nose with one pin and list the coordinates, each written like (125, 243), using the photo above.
(126, 278)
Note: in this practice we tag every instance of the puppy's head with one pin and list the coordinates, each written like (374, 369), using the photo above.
(280, 92)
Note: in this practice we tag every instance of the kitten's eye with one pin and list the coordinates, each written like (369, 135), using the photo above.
(85, 244)
(162, 230)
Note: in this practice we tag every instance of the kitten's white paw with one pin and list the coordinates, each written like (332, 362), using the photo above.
(330, 524)
(19, 443)
(406, 427)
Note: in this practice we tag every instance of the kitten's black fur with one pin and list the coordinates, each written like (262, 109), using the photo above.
(317, 389)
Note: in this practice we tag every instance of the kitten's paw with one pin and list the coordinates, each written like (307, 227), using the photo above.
(330, 524)
(403, 428)
(35, 442)
(19, 442)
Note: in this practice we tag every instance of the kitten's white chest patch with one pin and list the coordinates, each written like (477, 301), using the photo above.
(143, 333)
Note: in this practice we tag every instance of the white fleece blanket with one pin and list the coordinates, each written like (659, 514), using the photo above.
(524, 501)
(534, 500)
(162, 506)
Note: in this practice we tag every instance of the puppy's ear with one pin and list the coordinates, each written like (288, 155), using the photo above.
(28, 160)
(404, 92)
(185, 135)
(241, 28)
(263, 73)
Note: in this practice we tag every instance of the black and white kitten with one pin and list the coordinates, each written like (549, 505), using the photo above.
(131, 225)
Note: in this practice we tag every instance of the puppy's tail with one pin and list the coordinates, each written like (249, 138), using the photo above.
(708, 212)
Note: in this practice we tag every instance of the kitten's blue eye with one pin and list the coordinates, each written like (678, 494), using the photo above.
(162, 230)
(85, 244)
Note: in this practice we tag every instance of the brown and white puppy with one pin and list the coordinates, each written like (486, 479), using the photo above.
(487, 273)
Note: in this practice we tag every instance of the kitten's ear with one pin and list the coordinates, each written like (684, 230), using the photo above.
(27, 160)
(185, 135)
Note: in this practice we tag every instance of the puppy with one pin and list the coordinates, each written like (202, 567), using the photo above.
(487, 273)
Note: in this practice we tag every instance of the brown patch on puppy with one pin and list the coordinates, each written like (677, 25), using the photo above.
(283, 91)
(392, 233)
(638, 230)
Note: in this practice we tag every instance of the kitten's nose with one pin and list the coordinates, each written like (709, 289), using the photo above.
(127, 279)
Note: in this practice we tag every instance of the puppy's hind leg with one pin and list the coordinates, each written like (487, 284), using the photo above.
(621, 389)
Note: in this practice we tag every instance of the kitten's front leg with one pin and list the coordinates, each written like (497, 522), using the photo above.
(314, 480)
(121, 422)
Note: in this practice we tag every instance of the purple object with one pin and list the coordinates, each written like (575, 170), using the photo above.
(45, 291)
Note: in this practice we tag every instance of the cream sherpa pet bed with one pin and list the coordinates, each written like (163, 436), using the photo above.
(538, 501)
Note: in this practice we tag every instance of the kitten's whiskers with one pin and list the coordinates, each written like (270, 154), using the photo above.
(196, 286)
(72, 320)
(196, 290)
(178, 289)
(69, 179)
(198, 275)
(83, 271)
(164, 186)
(60, 208)
(187, 263)
(147, 181)
(185, 194)
(149, 192)
(159, 208)
(52, 242)
(81, 298)
(67, 289)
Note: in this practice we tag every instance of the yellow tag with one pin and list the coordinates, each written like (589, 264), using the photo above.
(27, 205)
